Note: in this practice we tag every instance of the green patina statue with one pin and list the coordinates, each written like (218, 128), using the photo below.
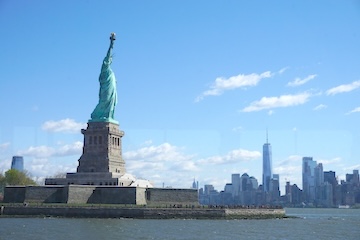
(104, 111)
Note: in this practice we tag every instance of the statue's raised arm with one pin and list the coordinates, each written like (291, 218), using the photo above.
(112, 40)
(104, 111)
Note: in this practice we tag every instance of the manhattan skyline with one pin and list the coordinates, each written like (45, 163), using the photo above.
(198, 85)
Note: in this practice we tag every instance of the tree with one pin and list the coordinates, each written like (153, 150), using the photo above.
(2, 183)
(2, 178)
(59, 175)
(15, 177)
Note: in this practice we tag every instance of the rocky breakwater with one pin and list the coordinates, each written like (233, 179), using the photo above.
(142, 212)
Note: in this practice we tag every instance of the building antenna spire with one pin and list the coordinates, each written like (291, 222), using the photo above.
(267, 136)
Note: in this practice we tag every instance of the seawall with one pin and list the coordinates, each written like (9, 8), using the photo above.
(89, 194)
(141, 213)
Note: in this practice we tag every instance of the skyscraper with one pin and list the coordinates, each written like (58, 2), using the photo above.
(353, 178)
(235, 181)
(308, 178)
(330, 177)
(319, 175)
(195, 184)
(267, 165)
(17, 163)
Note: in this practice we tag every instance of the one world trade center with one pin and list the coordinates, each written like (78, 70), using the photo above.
(267, 165)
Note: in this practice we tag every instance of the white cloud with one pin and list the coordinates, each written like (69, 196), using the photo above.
(40, 168)
(344, 88)
(281, 71)
(319, 107)
(329, 161)
(351, 168)
(142, 166)
(5, 165)
(217, 181)
(232, 156)
(39, 152)
(270, 112)
(44, 161)
(299, 81)
(4, 146)
(166, 163)
(163, 152)
(162, 163)
(69, 149)
(290, 173)
(46, 152)
(354, 110)
(185, 166)
(291, 160)
(290, 170)
(148, 142)
(222, 84)
(64, 125)
(276, 102)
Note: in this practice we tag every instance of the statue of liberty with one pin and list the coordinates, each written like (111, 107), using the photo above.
(104, 111)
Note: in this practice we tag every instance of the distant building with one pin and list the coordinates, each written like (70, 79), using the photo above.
(254, 183)
(274, 189)
(287, 188)
(208, 188)
(276, 176)
(319, 186)
(353, 178)
(296, 195)
(195, 185)
(320, 189)
(228, 188)
(308, 178)
(356, 179)
(329, 177)
(267, 166)
(245, 183)
(208, 195)
(319, 182)
(226, 195)
(319, 175)
(325, 195)
(17, 163)
(235, 181)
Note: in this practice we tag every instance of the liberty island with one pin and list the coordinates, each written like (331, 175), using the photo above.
(101, 178)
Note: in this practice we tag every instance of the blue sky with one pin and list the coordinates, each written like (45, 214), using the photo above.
(199, 82)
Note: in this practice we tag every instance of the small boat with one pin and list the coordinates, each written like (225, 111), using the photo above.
(344, 206)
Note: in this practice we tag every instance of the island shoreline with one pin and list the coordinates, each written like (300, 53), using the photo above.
(141, 212)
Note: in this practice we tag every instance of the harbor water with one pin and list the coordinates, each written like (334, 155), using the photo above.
(308, 224)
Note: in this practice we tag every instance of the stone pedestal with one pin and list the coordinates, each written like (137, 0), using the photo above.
(101, 162)
(102, 149)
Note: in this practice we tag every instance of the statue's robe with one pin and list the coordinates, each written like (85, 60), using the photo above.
(104, 111)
